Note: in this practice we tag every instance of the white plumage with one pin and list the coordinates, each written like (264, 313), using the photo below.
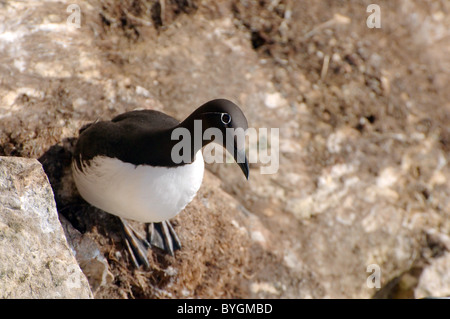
(143, 193)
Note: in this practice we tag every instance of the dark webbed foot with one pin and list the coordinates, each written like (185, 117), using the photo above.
(137, 245)
(163, 236)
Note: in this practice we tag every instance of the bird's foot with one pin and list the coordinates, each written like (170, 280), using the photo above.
(163, 236)
(136, 244)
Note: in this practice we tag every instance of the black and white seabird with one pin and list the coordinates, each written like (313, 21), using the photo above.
(126, 168)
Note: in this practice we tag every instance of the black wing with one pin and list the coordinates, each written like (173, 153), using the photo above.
(149, 120)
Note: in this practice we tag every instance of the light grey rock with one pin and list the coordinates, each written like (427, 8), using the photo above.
(35, 259)
(349, 193)
(89, 257)
(435, 279)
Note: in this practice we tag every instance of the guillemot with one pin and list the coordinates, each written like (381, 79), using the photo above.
(127, 167)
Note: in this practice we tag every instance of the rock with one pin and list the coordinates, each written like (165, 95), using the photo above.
(435, 279)
(275, 100)
(363, 169)
(35, 260)
(88, 255)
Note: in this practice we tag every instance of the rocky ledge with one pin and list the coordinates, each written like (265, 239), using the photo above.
(364, 146)
(36, 260)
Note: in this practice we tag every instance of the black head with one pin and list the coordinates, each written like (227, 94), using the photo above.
(222, 114)
(230, 120)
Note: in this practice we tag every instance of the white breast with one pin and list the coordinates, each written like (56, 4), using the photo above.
(143, 193)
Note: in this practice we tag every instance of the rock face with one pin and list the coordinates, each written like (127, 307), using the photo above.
(88, 255)
(364, 140)
(435, 280)
(35, 260)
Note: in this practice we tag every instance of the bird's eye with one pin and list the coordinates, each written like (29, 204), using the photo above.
(225, 118)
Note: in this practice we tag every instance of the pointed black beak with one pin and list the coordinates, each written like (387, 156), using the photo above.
(241, 160)
(238, 152)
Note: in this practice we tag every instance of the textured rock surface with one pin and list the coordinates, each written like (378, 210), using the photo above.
(88, 255)
(435, 279)
(364, 142)
(35, 260)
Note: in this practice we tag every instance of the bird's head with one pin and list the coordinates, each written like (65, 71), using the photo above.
(228, 118)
